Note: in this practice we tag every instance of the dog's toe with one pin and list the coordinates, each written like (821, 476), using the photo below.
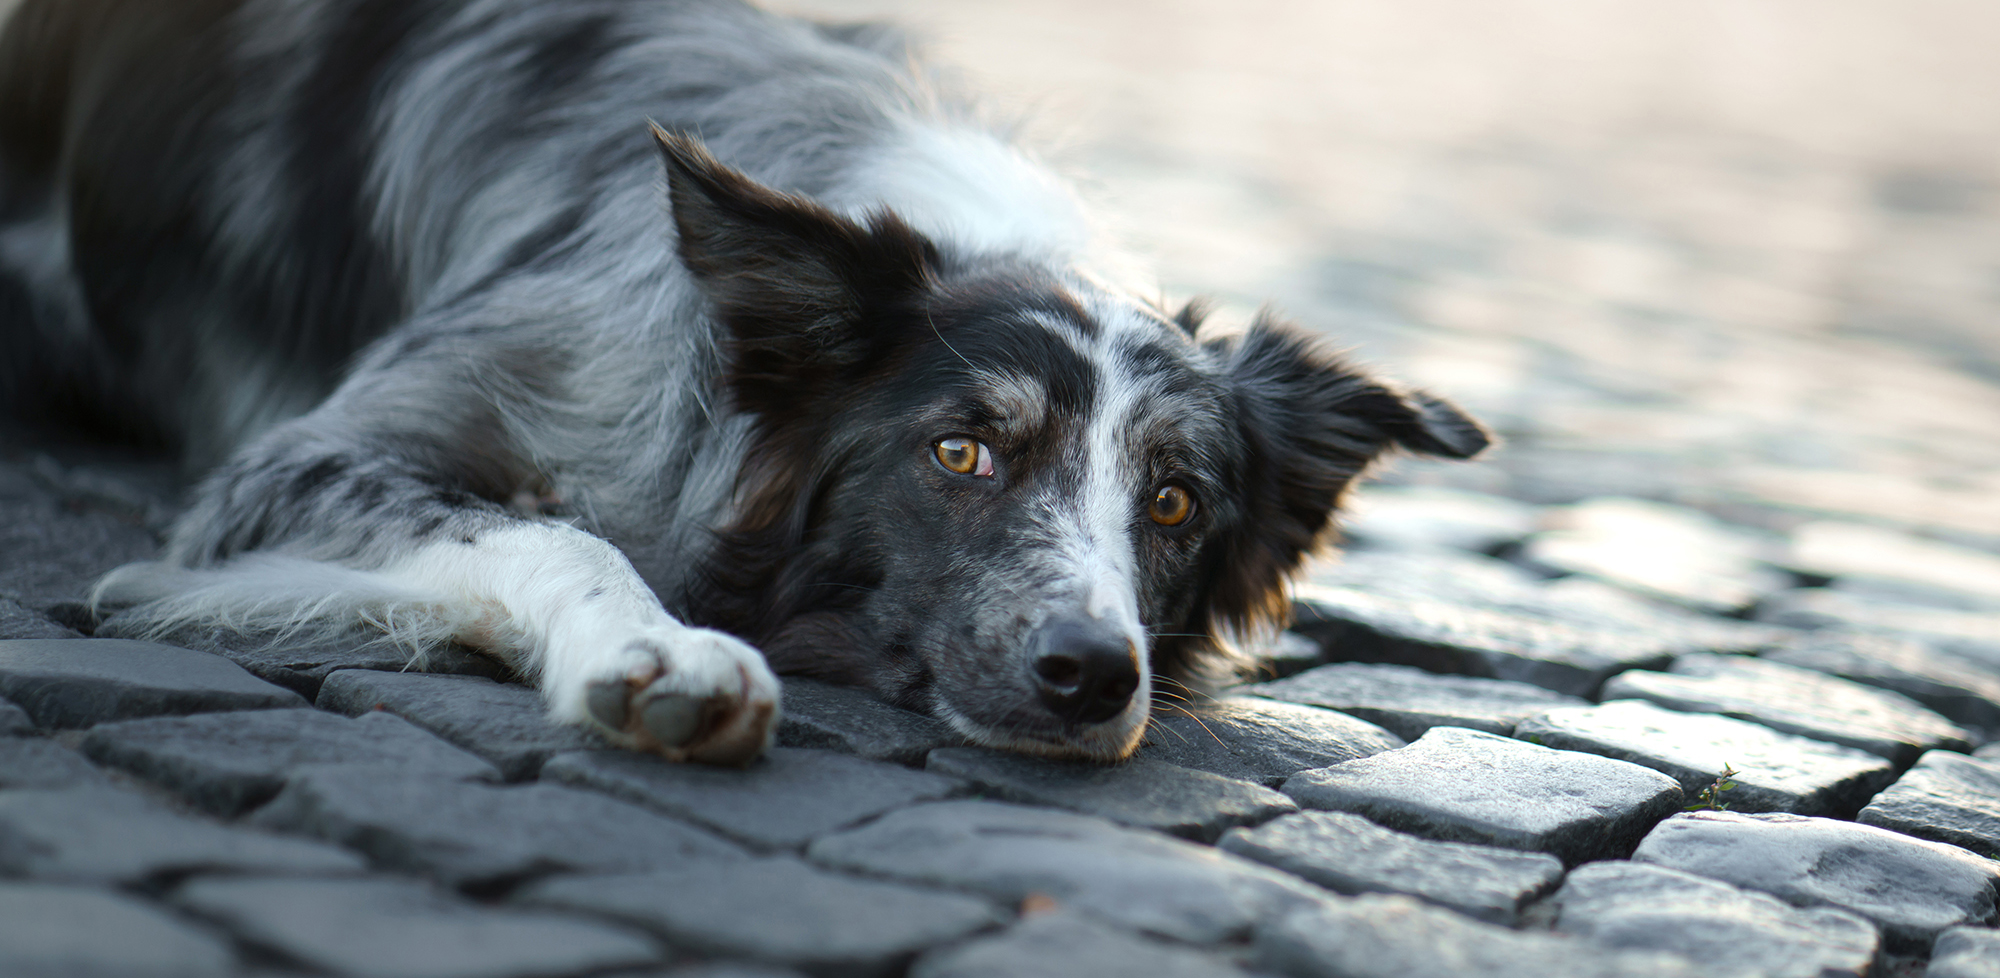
(608, 702)
(674, 719)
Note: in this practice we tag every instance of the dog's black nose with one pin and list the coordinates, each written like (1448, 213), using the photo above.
(1084, 669)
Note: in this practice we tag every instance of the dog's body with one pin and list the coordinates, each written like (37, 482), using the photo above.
(405, 268)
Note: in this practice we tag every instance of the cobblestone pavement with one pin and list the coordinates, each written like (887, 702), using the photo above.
(1697, 676)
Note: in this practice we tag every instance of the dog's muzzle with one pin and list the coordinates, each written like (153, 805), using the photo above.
(1085, 670)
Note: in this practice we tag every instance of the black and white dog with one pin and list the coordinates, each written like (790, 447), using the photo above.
(817, 366)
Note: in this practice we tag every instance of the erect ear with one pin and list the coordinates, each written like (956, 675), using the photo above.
(790, 279)
(1311, 423)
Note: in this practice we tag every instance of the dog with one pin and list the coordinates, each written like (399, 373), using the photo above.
(654, 347)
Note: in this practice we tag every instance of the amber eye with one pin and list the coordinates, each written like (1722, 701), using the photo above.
(1172, 505)
(964, 456)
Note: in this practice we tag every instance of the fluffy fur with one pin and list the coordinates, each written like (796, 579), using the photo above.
(474, 356)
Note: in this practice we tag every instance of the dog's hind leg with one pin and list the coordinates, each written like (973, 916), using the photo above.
(320, 525)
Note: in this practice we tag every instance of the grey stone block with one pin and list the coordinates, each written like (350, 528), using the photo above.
(393, 928)
(1775, 772)
(1794, 700)
(1349, 854)
(103, 835)
(777, 910)
(1469, 786)
(1733, 933)
(1059, 945)
(230, 763)
(1143, 793)
(31, 762)
(1661, 551)
(1911, 888)
(1424, 518)
(789, 796)
(1398, 937)
(17, 622)
(726, 969)
(853, 721)
(506, 723)
(14, 721)
(79, 682)
(303, 665)
(1256, 739)
(1135, 879)
(1965, 952)
(51, 931)
(1960, 689)
(55, 552)
(1407, 701)
(1947, 797)
(480, 835)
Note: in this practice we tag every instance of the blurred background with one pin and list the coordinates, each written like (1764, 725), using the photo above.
(1742, 255)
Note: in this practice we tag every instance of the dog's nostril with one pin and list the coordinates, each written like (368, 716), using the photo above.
(1059, 670)
(1087, 673)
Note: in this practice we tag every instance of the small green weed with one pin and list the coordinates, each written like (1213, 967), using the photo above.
(1709, 799)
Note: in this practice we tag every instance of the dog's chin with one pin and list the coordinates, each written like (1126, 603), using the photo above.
(1105, 743)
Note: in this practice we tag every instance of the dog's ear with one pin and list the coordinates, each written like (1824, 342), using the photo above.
(790, 279)
(1311, 423)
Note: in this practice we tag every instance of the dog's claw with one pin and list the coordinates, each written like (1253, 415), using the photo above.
(673, 718)
(607, 703)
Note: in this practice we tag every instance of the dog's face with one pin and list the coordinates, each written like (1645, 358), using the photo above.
(1000, 493)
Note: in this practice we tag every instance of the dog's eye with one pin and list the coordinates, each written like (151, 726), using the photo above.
(1171, 506)
(964, 456)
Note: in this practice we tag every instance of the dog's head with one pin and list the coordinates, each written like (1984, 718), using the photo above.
(998, 492)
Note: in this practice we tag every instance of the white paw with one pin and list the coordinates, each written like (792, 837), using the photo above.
(687, 694)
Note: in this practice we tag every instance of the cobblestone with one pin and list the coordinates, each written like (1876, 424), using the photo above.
(1424, 518)
(777, 910)
(49, 931)
(17, 622)
(1798, 701)
(31, 762)
(1946, 797)
(505, 723)
(1775, 772)
(1143, 793)
(102, 835)
(1467, 786)
(1965, 952)
(1136, 879)
(230, 764)
(854, 722)
(1732, 932)
(1349, 854)
(1911, 888)
(1061, 945)
(1407, 701)
(65, 683)
(393, 928)
(1255, 739)
(480, 836)
(789, 797)
(302, 667)
(1960, 689)
(14, 721)
(1669, 552)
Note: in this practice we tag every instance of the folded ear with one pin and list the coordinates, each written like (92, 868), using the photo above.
(1311, 423)
(790, 279)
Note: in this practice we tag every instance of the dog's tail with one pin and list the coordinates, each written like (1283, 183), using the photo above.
(284, 599)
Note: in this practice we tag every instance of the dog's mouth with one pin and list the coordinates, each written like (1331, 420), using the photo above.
(1083, 693)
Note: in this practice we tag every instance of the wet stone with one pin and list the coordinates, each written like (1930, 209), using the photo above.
(1732, 932)
(230, 763)
(78, 932)
(1960, 689)
(1398, 937)
(302, 666)
(480, 835)
(776, 910)
(1775, 772)
(1468, 786)
(14, 721)
(1965, 952)
(1797, 701)
(1910, 888)
(393, 928)
(72, 682)
(31, 762)
(1136, 879)
(1946, 797)
(1658, 550)
(506, 723)
(1420, 518)
(1407, 701)
(1141, 792)
(1057, 944)
(103, 835)
(1261, 740)
(17, 621)
(1349, 854)
(852, 721)
(784, 799)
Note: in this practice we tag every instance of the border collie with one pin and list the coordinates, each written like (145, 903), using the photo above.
(815, 374)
